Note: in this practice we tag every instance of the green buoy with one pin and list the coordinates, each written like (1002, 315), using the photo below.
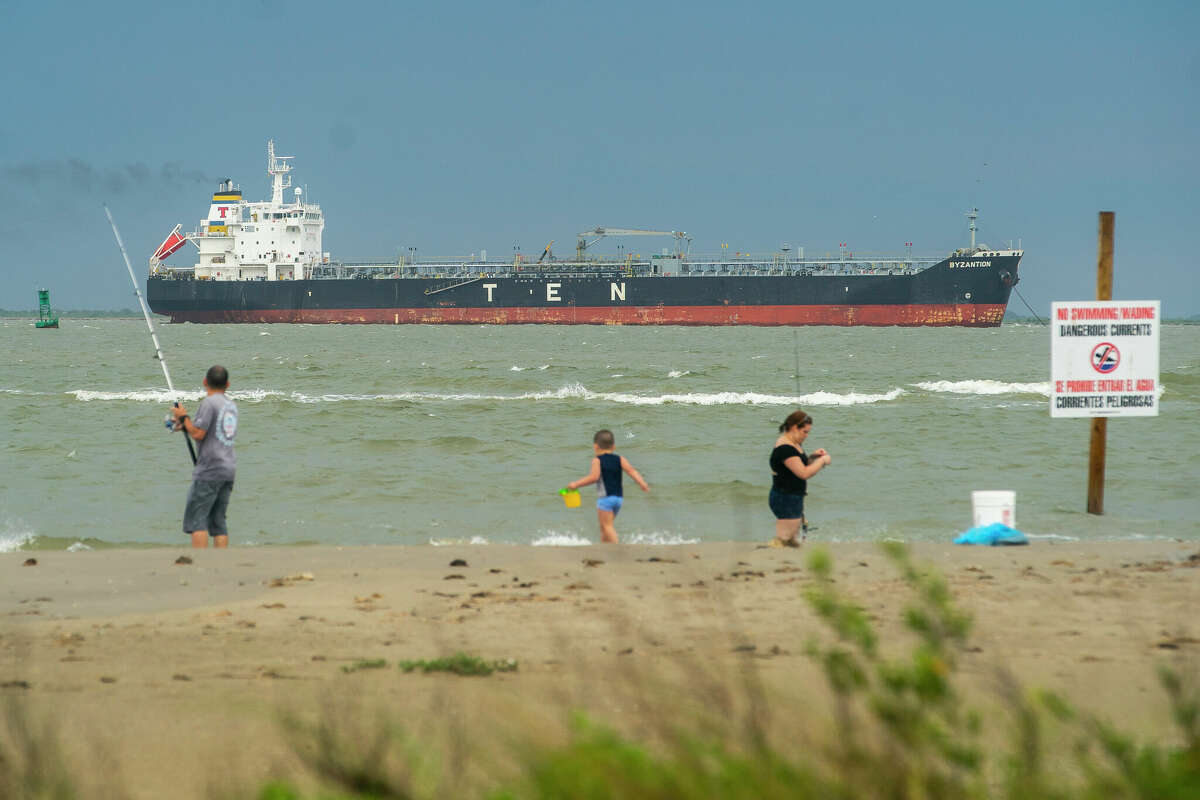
(46, 318)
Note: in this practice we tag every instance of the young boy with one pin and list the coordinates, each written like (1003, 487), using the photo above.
(606, 471)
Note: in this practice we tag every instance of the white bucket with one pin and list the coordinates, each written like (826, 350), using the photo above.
(992, 507)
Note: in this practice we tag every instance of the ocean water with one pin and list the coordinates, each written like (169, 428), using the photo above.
(357, 435)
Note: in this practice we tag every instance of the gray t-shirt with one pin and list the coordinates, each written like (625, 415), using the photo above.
(215, 460)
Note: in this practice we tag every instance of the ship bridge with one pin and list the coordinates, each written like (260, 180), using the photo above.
(244, 241)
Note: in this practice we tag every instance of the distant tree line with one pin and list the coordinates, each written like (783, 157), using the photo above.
(1014, 318)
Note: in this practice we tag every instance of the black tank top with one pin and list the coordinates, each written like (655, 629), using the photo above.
(784, 480)
(610, 475)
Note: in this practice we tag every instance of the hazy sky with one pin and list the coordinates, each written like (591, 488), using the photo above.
(456, 126)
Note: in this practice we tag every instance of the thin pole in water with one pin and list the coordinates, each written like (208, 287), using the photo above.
(796, 347)
(149, 324)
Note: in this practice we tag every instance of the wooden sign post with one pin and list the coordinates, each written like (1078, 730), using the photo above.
(1104, 361)
(1099, 441)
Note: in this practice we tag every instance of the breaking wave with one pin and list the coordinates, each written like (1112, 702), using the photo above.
(139, 395)
(556, 539)
(985, 387)
(660, 538)
(577, 391)
(474, 540)
(14, 537)
(574, 391)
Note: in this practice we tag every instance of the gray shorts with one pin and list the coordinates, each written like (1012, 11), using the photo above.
(206, 505)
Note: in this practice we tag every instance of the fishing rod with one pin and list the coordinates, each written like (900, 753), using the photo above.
(153, 335)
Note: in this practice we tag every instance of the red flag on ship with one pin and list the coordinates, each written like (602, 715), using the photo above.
(172, 243)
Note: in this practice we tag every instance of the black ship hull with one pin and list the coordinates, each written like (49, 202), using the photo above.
(959, 291)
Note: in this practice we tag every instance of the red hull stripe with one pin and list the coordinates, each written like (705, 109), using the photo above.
(957, 315)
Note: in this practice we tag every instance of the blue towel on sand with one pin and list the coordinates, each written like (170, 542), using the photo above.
(996, 534)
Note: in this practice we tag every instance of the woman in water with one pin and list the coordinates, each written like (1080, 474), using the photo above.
(791, 468)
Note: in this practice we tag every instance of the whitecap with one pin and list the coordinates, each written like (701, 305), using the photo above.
(165, 396)
(474, 540)
(556, 539)
(659, 538)
(678, 373)
(11, 541)
(848, 399)
(78, 547)
(254, 395)
(138, 395)
(985, 386)
(571, 391)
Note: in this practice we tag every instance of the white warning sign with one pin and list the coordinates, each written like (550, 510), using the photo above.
(1104, 358)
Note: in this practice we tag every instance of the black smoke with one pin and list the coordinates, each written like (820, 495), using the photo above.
(78, 175)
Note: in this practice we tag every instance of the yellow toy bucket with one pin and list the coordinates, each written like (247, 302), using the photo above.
(571, 497)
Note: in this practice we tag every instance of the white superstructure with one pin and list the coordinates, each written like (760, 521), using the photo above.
(240, 241)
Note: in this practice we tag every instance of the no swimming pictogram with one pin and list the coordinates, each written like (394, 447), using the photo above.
(1105, 357)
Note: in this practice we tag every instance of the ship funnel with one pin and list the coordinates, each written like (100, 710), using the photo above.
(224, 208)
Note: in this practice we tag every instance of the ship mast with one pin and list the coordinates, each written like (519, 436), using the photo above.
(972, 215)
(278, 168)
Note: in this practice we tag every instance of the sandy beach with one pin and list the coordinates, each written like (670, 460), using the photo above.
(139, 662)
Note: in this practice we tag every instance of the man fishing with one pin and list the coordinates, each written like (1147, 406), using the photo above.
(214, 429)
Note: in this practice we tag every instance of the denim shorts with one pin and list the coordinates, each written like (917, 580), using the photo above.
(609, 502)
(785, 505)
(206, 505)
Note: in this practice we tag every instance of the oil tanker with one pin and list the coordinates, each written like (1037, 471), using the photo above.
(263, 262)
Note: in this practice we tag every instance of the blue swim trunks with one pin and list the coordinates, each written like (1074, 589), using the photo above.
(609, 503)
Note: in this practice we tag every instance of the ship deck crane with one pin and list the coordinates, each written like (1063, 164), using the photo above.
(589, 238)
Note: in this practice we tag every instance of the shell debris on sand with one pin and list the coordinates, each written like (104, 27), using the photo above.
(290, 580)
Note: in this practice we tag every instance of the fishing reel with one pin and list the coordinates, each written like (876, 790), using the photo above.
(169, 422)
